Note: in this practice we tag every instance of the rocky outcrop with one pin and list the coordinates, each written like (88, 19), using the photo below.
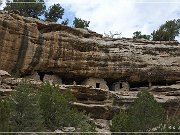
(29, 45)
(103, 104)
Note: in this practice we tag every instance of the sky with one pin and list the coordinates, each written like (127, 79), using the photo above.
(121, 16)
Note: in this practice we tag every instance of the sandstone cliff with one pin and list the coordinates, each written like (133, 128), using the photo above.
(103, 104)
(29, 45)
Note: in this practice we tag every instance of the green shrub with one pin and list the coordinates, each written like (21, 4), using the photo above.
(57, 111)
(146, 113)
(4, 115)
(26, 113)
(142, 117)
(120, 122)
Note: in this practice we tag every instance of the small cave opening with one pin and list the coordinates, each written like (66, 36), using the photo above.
(154, 83)
(159, 83)
(70, 80)
(42, 74)
(139, 84)
(120, 86)
(110, 83)
(170, 82)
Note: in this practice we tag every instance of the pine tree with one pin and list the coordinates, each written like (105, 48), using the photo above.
(58, 112)
(146, 113)
(79, 23)
(167, 31)
(34, 9)
(26, 112)
(54, 13)
(138, 35)
(120, 122)
(54, 105)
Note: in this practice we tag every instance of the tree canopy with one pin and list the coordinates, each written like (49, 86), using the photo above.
(143, 116)
(26, 111)
(57, 111)
(80, 23)
(45, 108)
(167, 31)
(146, 113)
(4, 115)
(37, 9)
(138, 35)
(33, 9)
(54, 13)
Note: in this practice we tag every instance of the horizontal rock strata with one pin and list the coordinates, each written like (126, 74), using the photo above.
(28, 45)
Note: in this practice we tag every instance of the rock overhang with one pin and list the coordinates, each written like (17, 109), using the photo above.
(29, 45)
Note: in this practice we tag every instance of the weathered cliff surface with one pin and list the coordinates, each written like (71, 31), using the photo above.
(103, 104)
(29, 45)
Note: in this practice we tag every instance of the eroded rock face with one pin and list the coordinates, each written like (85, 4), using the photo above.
(104, 104)
(28, 45)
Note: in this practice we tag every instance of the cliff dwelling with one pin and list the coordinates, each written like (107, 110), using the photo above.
(120, 86)
(96, 83)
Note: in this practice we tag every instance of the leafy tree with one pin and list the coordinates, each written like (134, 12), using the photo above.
(65, 22)
(54, 13)
(4, 115)
(0, 2)
(146, 113)
(79, 23)
(34, 9)
(138, 35)
(26, 112)
(167, 31)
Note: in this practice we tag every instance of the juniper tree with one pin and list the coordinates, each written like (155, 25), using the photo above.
(138, 35)
(80, 23)
(57, 110)
(167, 31)
(4, 115)
(32, 8)
(54, 13)
(26, 113)
(146, 113)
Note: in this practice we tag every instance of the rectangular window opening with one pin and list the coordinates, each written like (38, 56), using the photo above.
(120, 85)
(97, 85)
